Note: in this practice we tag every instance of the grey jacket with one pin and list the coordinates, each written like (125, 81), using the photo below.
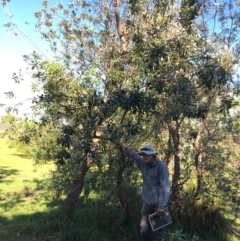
(156, 187)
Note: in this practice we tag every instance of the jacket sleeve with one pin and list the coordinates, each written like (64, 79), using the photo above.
(135, 156)
(164, 190)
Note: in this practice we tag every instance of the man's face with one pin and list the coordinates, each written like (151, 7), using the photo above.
(148, 158)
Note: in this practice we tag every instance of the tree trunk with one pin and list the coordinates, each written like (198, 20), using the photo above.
(176, 189)
(78, 183)
(197, 161)
(120, 29)
(120, 194)
(169, 155)
(197, 146)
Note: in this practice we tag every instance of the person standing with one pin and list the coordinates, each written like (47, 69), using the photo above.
(155, 189)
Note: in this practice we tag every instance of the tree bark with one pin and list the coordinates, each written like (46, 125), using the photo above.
(176, 196)
(120, 192)
(78, 183)
(119, 187)
(169, 154)
(120, 29)
(197, 147)
(197, 154)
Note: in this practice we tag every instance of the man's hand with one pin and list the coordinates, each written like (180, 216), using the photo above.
(160, 211)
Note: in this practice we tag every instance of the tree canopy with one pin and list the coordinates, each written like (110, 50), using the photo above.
(158, 72)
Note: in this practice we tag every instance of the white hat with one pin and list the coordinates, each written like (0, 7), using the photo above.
(148, 150)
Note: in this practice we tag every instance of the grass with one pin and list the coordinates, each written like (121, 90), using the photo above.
(23, 198)
(21, 183)
(28, 214)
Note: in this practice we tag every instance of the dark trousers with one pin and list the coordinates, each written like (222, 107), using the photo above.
(146, 230)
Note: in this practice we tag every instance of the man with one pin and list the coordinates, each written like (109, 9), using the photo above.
(155, 190)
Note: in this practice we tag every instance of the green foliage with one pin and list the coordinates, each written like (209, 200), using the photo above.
(212, 75)
(178, 235)
(188, 13)
(204, 219)
(99, 213)
(161, 77)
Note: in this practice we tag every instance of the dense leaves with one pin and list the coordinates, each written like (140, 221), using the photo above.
(140, 72)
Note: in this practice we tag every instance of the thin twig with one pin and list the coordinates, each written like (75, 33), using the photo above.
(21, 31)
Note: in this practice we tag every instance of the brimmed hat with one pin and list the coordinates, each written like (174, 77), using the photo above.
(148, 150)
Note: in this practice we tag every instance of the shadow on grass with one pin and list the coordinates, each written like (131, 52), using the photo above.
(37, 226)
(92, 221)
(88, 223)
(6, 172)
(36, 193)
(25, 156)
(40, 226)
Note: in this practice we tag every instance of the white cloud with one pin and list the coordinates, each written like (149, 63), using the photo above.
(11, 62)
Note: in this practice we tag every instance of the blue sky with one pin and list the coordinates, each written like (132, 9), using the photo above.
(12, 48)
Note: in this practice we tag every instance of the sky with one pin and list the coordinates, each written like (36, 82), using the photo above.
(12, 48)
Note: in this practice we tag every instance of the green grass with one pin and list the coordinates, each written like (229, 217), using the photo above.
(23, 197)
(22, 185)
(28, 214)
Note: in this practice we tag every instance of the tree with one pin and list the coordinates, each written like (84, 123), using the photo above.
(182, 66)
(137, 69)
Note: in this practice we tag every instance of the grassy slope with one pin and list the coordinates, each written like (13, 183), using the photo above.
(26, 213)
(22, 194)
(20, 179)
